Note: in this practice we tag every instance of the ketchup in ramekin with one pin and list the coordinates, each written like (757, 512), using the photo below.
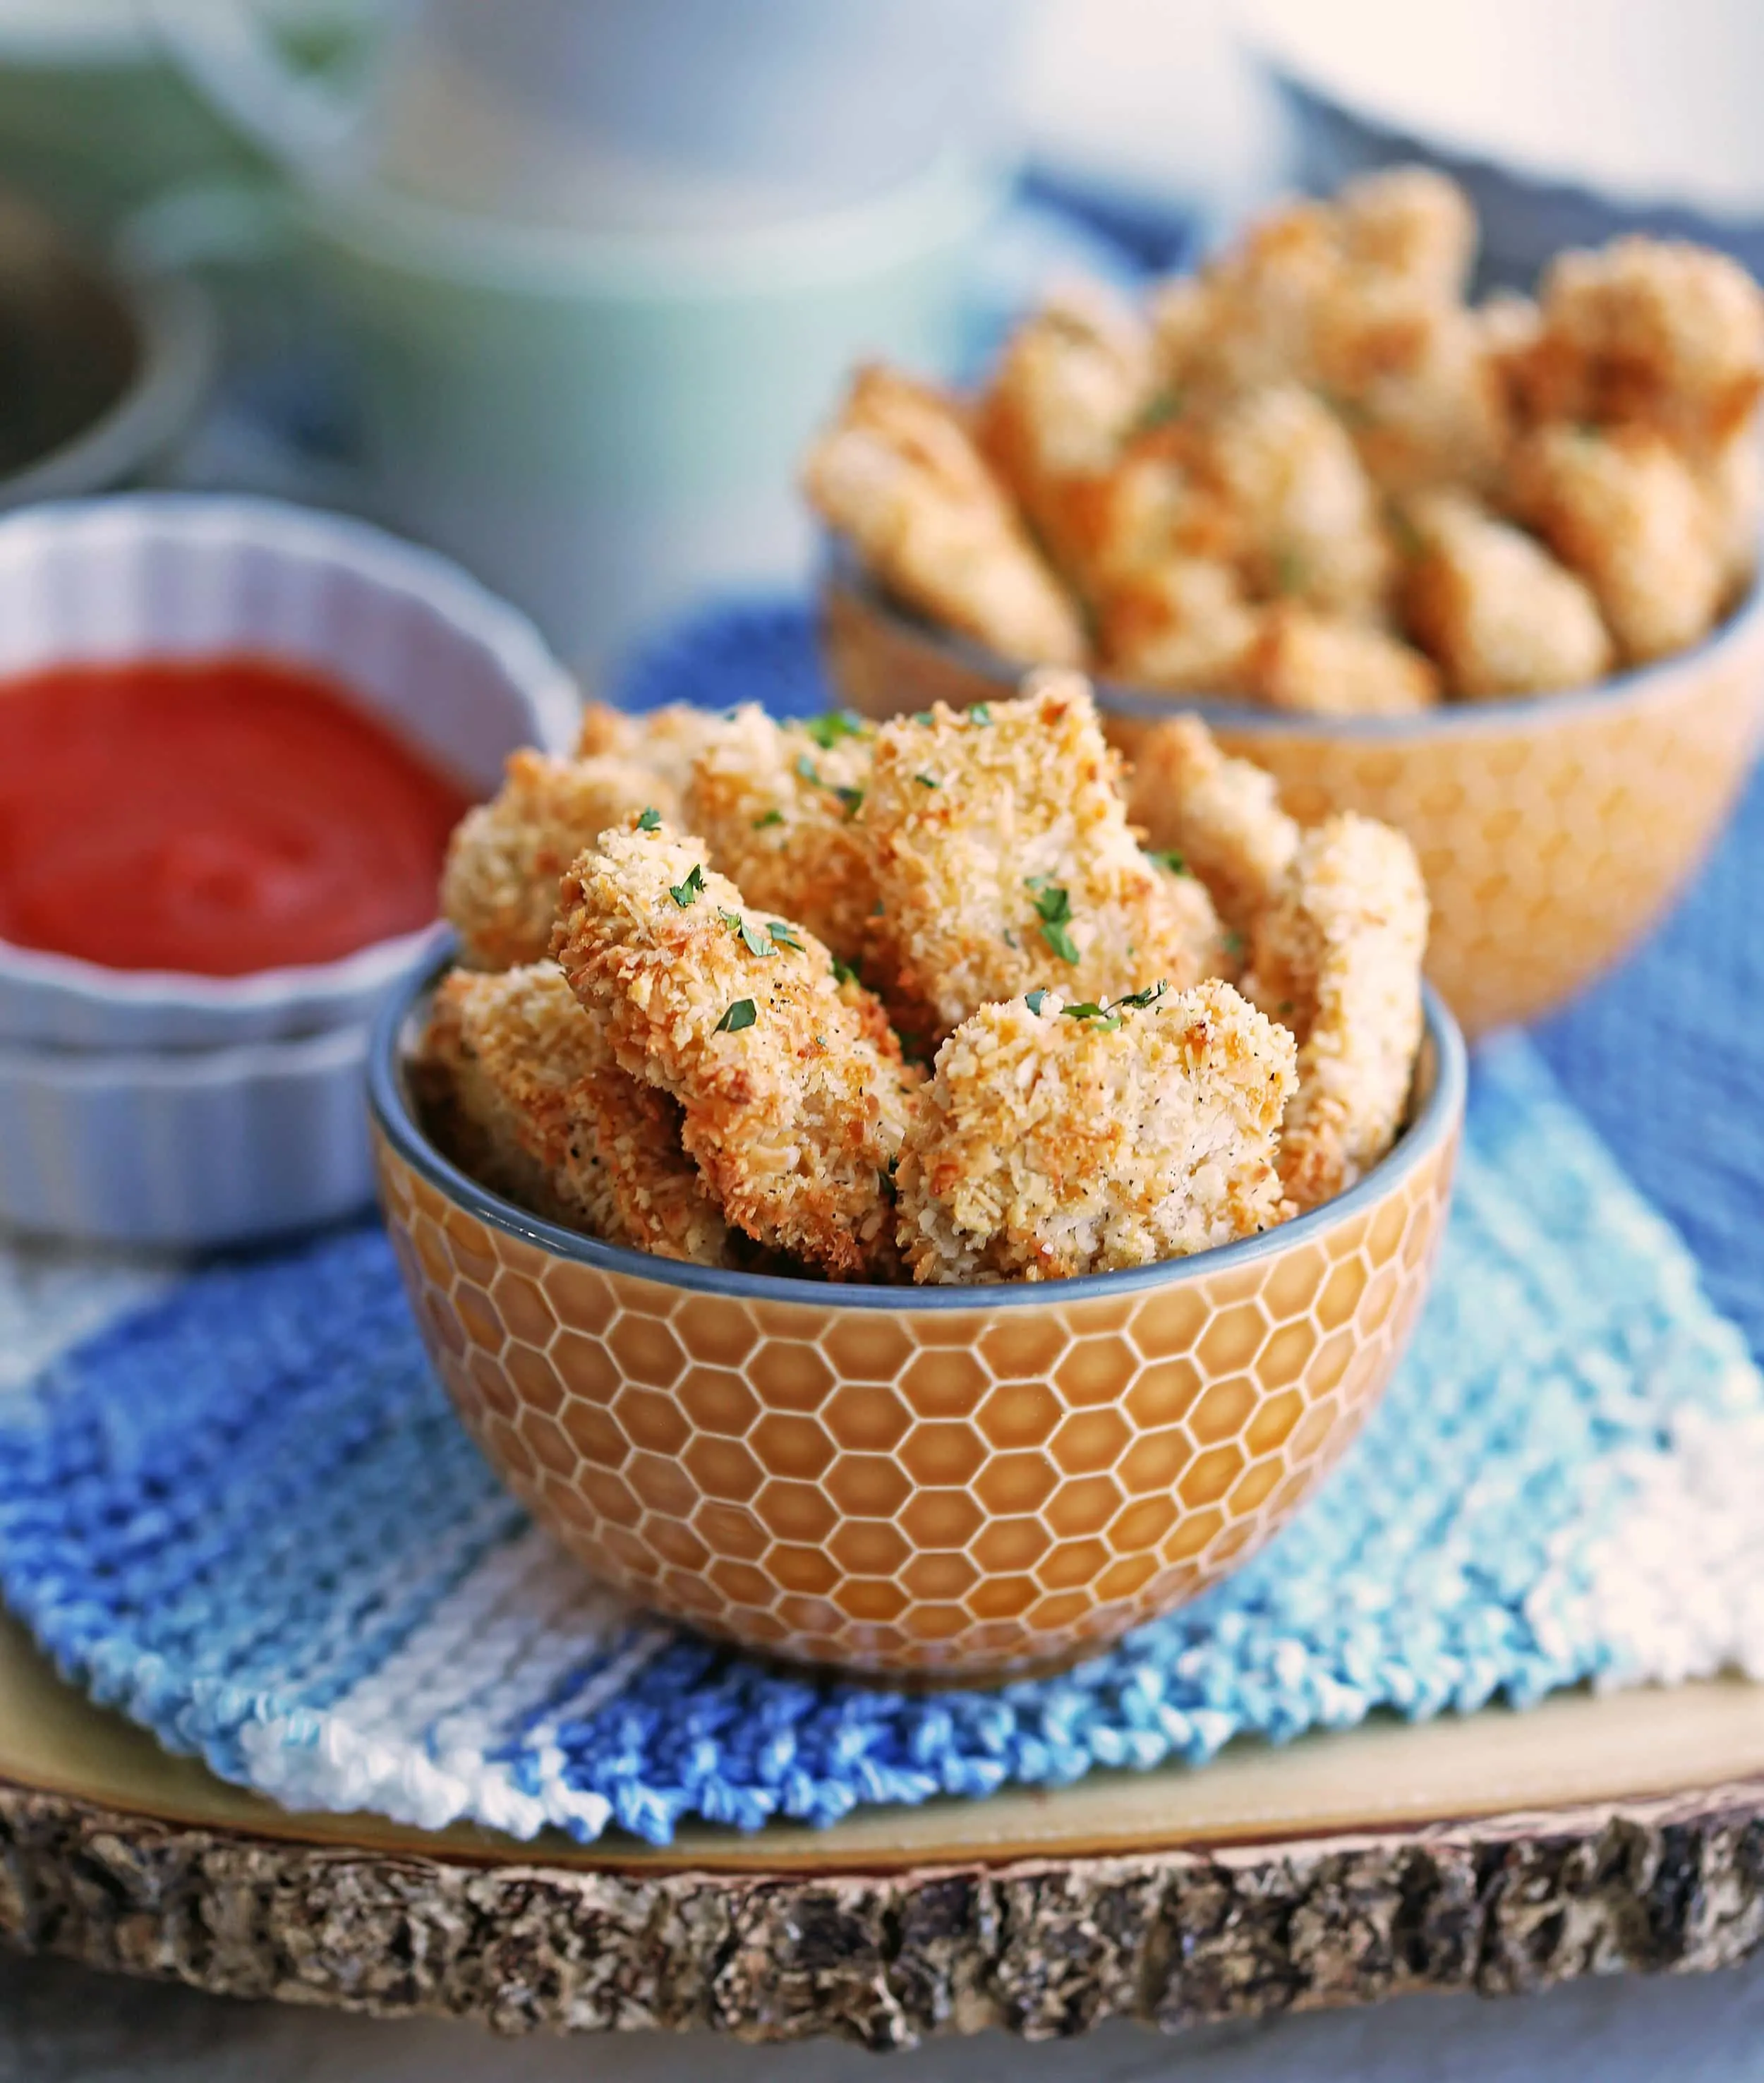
(213, 816)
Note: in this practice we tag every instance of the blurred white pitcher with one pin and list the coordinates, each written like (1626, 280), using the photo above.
(625, 115)
(603, 264)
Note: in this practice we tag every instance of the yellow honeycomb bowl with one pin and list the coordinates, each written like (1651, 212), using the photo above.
(932, 1482)
(1553, 832)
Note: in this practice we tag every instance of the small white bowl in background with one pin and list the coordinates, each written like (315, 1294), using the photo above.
(185, 1151)
(460, 675)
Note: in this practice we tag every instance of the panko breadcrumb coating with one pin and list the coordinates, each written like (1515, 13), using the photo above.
(1412, 222)
(794, 1096)
(1074, 382)
(665, 741)
(1415, 385)
(1652, 331)
(1624, 510)
(1337, 957)
(777, 805)
(1494, 608)
(527, 1092)
(499, 887)
(1222, 816)
(1057, 1139)
(1309, 523)
(1319, 665)
(1004, 860)
(1187, 624)
(898, 472)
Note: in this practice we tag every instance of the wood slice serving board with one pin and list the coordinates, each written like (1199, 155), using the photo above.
(1498, 1852)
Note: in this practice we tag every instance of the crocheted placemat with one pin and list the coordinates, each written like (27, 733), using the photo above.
(237, 1506)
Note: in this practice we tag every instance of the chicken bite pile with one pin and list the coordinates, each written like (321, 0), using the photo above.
(1315, 477)
(913, 1001)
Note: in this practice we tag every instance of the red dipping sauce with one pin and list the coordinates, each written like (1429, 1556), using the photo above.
(212, 816)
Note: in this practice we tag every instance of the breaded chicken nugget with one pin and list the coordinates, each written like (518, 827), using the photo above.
(1074, 382)
(1412, 222)
(1221, 816)
(1625, 511)
(1004, 860)
(666, 741)
(898, 473)
(1248, 319)
(1057, 1139)
(499, 886)
(1337, 957)
(1732, 476)
(777, 805)
(532, 1104)
(1320, 664)
(1187, 624)
(1654, 331)
(1308, 524)
(1494, 608)
(794, 1096)
(1414, 382)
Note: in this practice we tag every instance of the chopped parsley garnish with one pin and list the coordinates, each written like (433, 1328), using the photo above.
(1138, 1001)
(690, 891)
(740, 1015)
(649, 821)
(1011, 938)
(1166, 406)
(843, 972)
(923, 716)
(1408, 538)
(750, 935)
(927, 781)
(1053, 906)
(1168, 857)
(810, 773)
(827, 730)
(1098, 1016)
(770, 817)
(1291, 571)
(1036, 999)
(784, 935)
(1233, 943)
(980, 713)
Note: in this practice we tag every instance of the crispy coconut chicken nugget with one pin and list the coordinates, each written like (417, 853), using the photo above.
(1057, 1139)
(1337, 957)
(1654, 331)
(898, 473)
(1187, 624)
(777, 805)
(499, 887)
(532, 1102)
(1004, 860)
(793, 1096)
(1309, 520)
(1625, 511)
(1319, 665)
(1413, 223)
(666, 741)
(1074, 382)
(1221, 816)
(1494, 607)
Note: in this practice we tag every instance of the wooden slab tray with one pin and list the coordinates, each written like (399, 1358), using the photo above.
(1499, 1853)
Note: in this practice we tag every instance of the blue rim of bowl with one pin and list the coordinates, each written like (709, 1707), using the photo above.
(1148, 705)
(390, 1108)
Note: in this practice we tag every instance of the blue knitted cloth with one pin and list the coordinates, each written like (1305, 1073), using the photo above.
(235, 1504)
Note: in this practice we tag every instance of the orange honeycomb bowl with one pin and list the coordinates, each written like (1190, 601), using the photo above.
(913, 1481)
(1553, 832)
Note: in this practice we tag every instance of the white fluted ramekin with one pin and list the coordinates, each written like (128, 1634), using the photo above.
(463, 676)
(185, 1150)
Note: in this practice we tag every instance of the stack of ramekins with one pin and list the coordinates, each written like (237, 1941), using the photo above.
(147, 1108)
